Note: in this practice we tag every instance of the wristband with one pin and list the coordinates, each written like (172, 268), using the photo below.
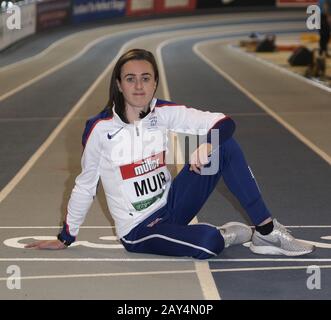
(65, 237)
(65, 242)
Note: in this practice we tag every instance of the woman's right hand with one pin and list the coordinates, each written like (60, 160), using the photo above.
(46, 244)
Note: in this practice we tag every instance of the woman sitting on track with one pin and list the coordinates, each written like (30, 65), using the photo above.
(125, 147)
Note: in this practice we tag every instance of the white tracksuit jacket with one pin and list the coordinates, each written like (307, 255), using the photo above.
(129, 160)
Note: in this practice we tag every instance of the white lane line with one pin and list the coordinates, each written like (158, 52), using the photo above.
(271, 268)
(57, 43)
(54, 69)
(34, 158)
(80, 54)
(206, 280)
(28, 165)
(41, 259)
(151, 273)
(89, 46)
(23, 171)
(287, 113)
(57, 227)
(280, 69)
(161, 23)
(112, 227)
(162, 73)
(96, 275)
(40, 54)
(316, 226)
(263, 106)
(210, 293)
(140, 26)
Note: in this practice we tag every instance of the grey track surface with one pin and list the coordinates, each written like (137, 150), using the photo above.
(34, 44)
(38, 43)
(85, 70)
(294, 180)
(268, 147)
(46, 110)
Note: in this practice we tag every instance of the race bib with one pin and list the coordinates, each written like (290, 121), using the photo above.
(144, 181)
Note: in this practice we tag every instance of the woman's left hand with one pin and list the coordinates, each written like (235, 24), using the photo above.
(47, 244)
(199, 157)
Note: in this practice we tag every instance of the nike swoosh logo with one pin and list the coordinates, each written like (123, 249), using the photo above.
(275, 244)
(110, 136)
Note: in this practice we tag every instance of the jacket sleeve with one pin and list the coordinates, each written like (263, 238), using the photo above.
(85, 187)
(181, 119)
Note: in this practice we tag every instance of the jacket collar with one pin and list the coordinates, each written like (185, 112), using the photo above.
(118, 119)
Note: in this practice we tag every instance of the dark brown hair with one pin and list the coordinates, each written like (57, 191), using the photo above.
(115, 96)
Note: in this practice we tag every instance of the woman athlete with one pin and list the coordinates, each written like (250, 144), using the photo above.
(125, 147)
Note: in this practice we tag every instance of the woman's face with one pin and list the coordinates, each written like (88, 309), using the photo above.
(137, 83)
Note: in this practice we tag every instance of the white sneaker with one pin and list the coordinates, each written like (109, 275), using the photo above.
(235, 233)
(279, 242)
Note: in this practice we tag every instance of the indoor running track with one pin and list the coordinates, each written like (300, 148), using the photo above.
(282, 125)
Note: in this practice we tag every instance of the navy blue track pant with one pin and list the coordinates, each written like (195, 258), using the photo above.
(166, 232)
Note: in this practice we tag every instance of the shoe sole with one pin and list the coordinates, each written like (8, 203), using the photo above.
(277, 251)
